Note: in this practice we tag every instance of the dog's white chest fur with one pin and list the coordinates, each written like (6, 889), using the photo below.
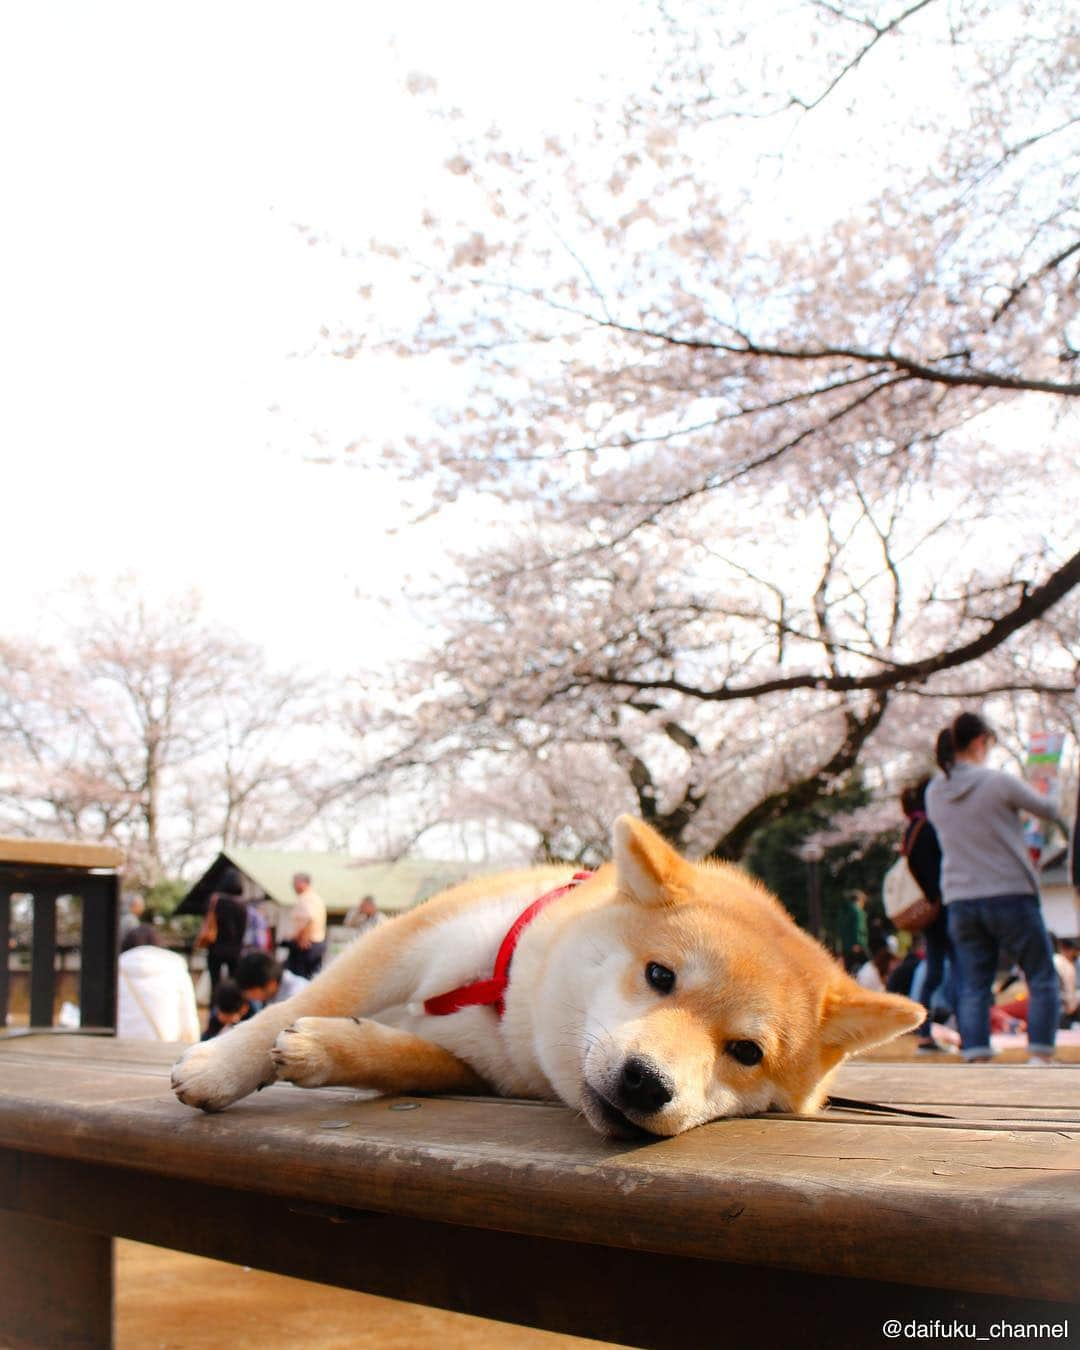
(457, 952)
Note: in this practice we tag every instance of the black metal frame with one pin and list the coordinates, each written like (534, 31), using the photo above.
(99, 891)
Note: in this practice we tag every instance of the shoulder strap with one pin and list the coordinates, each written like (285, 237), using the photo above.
(909, 841)
(130, 986)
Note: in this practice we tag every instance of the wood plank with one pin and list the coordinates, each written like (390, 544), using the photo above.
(961, 1084)
(759, 1191)
(957, 1118)
(1004, 1093)
(131, 1057)
(59, 853)
(52, 1047)
(906, 1082)
(138, 1071)
(632, 1297)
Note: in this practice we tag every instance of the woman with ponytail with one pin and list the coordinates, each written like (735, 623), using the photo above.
(989, 885)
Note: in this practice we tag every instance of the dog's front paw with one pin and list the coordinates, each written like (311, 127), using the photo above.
(303, 1054)
(209, 1078)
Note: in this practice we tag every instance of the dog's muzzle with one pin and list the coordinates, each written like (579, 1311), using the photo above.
(636, 1091)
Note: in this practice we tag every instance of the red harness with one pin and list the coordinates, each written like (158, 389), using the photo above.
(482, 992)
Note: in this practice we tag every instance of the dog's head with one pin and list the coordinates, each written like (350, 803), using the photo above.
(706, 1000)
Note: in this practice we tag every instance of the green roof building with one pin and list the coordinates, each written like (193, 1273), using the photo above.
(341, 880)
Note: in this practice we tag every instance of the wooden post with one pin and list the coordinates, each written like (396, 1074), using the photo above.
(97, 973)
(43, 955)
(5, 949)
(56, 1284)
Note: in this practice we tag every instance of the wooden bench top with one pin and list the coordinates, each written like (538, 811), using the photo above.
(58, 853)
(987, 1200)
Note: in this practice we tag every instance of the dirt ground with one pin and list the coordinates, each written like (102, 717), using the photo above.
(904, 1049)
(168, 1301)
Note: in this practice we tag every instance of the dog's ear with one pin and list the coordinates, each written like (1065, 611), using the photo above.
(854, 1018)
(648, 869)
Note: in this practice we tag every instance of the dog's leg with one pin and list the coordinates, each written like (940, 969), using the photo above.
(375, 972)
(356, 1052)
(216, 1073)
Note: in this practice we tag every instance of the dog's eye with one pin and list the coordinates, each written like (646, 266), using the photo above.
(746, 1052)
(661, 979)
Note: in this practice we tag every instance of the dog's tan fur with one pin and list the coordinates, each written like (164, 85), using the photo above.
(316, 1051)
(580, 1013)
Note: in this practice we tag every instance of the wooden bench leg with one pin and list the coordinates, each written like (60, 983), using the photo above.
(56, 1285)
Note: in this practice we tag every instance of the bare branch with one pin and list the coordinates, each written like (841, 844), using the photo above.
(861, 54)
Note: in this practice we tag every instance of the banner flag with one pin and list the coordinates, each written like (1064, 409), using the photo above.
(1043, 772)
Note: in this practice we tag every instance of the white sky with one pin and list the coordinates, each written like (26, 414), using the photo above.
(158, 300)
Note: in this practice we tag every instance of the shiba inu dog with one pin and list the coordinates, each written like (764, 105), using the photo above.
(653, 996)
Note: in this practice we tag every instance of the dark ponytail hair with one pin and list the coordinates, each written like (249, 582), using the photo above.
(913, 797)
(966, 728)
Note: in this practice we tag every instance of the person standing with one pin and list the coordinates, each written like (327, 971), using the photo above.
(923, 853)
(989, 885)
(364, 917)
(305, 929)
(132, 916)
(257, 933)
(231, 915)
(854, 931)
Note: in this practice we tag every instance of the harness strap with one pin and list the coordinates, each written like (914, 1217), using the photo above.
(491, 992)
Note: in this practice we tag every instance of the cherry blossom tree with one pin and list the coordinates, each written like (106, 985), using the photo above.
(772, 369)
(148, 727)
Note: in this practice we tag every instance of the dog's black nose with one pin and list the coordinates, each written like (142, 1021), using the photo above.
(642, 1087)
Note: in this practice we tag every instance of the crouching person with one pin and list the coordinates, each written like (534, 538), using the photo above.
(230, 1006)
(262, 980)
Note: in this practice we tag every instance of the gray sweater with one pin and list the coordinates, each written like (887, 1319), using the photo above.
(974, 811)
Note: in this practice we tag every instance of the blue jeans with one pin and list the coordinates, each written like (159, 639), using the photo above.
(979, 929)
(938, 948)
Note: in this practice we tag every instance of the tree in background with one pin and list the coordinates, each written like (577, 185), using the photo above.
(851, 862)
(150, 728)
(769, 370)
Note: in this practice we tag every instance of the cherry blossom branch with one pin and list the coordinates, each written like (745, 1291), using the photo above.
(971, 379)
(861, 54)
(896, 675)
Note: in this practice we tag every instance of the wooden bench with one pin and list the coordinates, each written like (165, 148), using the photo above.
(773, 1230)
